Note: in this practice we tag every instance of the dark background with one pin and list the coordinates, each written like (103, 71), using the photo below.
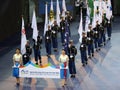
(11, 12)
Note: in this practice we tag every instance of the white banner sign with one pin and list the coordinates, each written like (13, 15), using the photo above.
(36, 72)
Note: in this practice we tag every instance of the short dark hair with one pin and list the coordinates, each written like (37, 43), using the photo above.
(18, 49)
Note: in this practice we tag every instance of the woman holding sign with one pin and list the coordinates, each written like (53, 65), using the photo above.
(63, 59)
(17, 60)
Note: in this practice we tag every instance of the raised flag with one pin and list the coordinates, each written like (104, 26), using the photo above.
(46, 19)
(58, 13)
(80, 30)
(34, 26)
(51, 14)
(109, 9)
(63, 8)
(96, 14)
(23, 38)
(66, 40)
(90, 4)
(87, 19)
(100, 14)
(104, 6)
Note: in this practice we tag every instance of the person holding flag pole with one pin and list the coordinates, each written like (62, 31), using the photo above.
(62, 30)
(55, 28)
(47, 33)
(82, 40)
(109, 18)
(66, 38)
(37, 40)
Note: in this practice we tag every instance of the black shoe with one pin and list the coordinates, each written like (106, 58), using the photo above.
(89, 57)
(55, 50)
(36, 63)
(71, 76)
(96, 50)
(65, 84)
(17, 84)
(109, 38)
(83, 65)
(104, 43)
(48, 55)
(40, 61)
(101, 45)
(99, 49)
(92, 55)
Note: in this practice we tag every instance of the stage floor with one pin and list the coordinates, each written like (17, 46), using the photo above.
(101, 73)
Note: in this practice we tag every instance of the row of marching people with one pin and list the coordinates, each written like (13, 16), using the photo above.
(50, 39)
(51, 35)
(94, 39)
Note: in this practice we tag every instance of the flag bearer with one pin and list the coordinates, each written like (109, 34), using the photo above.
(54, 32)
(37, 47)
(97, 35)
(83, 54)
(72, 51)
(109, 28)
(90, 42)
(69, 19)
(83, 47)
(62, 30)
(48, 41)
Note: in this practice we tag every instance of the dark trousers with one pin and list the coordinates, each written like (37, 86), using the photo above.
(37, 55)
(72, 68)
(109, 31)
(77, 9)
(69, 30)
(90, 49)
(54, 42)
(62, 37)
(97, 42)
(83, 56)
(103, 38)
(48, 47)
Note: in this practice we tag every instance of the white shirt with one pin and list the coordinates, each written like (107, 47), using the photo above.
(63, 58)
(17, 57)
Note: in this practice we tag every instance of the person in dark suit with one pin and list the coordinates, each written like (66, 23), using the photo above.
(84, 38)
(37, 47)
(72, 51)
(109, 28)
(48, 39)
(68, 18)
(62, 30)
(28, 48)
(83, 48)
(103, 38)
(90, 36)
(54, 33)
(83, 54)
(97, 36)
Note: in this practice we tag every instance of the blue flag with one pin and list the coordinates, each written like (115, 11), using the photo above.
(66, 39)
